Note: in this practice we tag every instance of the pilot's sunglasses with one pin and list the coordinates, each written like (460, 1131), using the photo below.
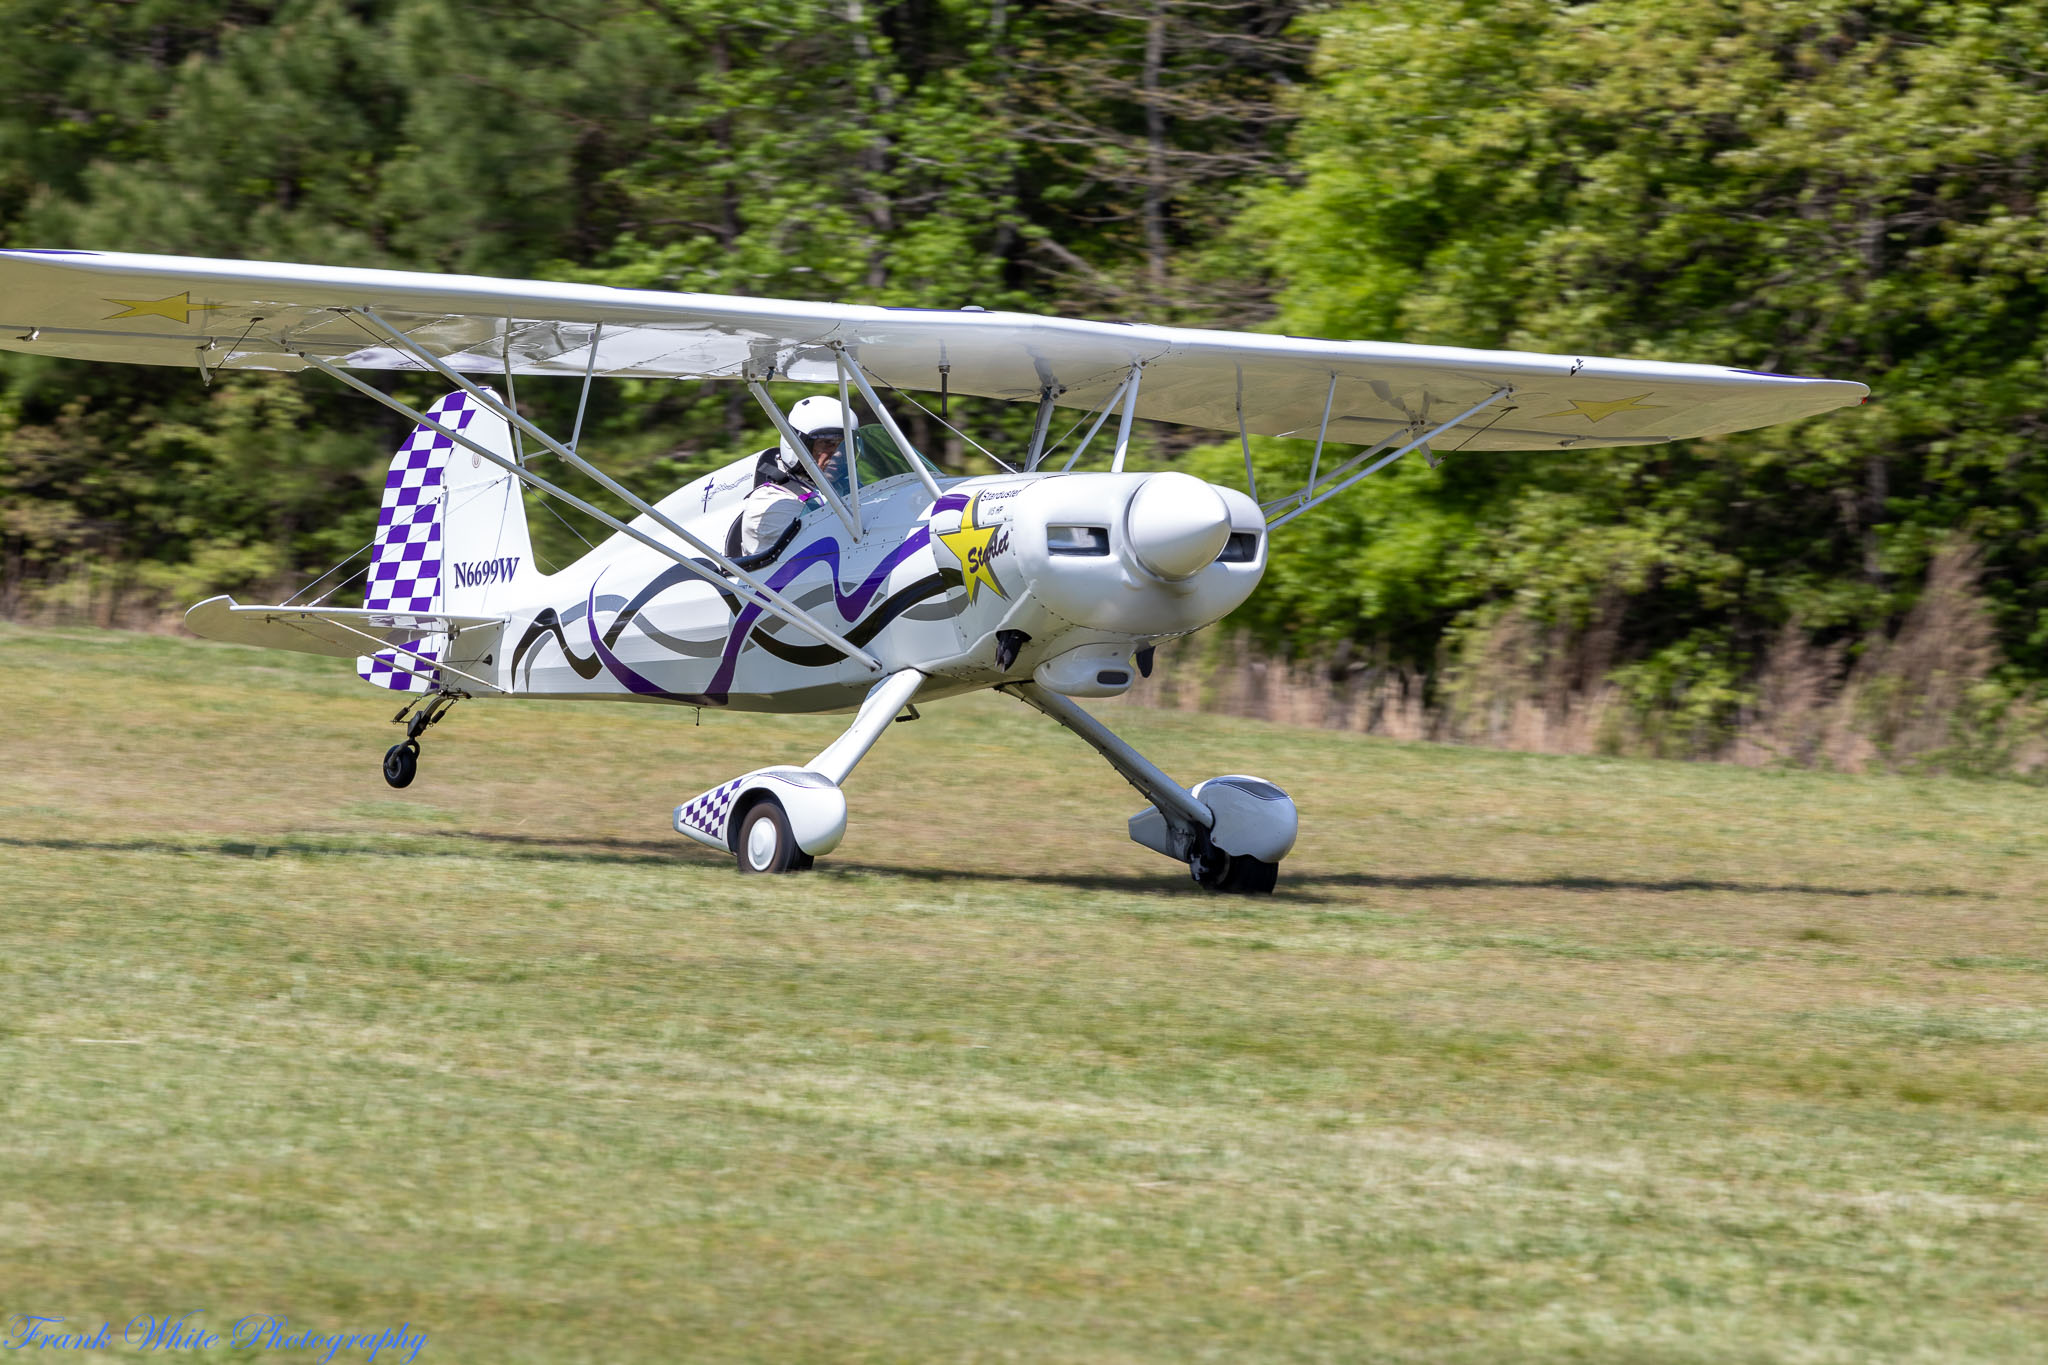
(817, 438)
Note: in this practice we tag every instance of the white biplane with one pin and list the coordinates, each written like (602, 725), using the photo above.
(901, 585)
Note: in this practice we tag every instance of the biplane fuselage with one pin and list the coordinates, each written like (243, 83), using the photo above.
(930, 584)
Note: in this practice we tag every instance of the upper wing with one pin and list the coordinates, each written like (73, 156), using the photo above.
(170, 310)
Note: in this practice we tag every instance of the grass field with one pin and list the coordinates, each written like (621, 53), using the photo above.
(1531, 1059)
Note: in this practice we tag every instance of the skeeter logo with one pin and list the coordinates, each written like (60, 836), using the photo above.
(974, 545)
(477, 573)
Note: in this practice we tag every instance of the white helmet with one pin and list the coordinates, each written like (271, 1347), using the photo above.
(813, 416)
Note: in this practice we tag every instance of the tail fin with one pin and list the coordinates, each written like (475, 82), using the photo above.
(451, 537)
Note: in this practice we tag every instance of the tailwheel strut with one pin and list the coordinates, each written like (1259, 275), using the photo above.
(402, 760)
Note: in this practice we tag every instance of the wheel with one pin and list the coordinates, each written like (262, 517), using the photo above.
(402, 762)
(1215, 870)
(1252, 877)
(765, 843)
(1210, 867)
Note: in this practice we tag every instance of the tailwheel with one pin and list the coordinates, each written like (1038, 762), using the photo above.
(765, 843)
(402, 762)
(1215, 870)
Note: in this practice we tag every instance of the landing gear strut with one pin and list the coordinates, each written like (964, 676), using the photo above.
(402, 760)
(1200, 826)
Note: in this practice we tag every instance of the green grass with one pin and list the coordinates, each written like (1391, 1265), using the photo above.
(1531, 1059)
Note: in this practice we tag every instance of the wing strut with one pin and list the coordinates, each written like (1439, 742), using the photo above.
(1309, 497)
(590, 370)
(1115, 397)
(1040, 427)
(511, 393)
(1123, 425)
(867, 391)
(1316, 460)
(850, 453)
(850, 520)
(1251, 480)
(748, 585)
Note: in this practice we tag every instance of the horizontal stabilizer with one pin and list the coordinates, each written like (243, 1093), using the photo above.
(338, 632)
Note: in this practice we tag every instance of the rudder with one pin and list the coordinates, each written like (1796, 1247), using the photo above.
(451, 536)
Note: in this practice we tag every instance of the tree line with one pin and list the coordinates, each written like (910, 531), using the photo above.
(1850, 188)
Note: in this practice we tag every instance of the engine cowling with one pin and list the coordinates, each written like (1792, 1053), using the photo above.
(1144, 555)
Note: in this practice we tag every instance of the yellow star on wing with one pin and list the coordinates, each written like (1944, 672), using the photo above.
(1596, 412)
(970, 545)
(179, 308)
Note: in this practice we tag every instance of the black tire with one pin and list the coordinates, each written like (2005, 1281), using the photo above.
(764, 844)
(1252, 877)
(402, 763)
(1215, 870)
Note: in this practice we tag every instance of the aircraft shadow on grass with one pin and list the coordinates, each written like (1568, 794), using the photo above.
(647, 853)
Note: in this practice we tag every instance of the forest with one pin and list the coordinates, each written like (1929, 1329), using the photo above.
(1848, 188)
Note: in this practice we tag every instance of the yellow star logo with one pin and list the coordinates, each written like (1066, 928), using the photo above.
(1599, 412)
(970, 545)
(179, 308)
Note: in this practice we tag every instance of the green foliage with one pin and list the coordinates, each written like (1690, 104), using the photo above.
(800, 158)
(1848, 189)
(1844, 188)
(831, 149)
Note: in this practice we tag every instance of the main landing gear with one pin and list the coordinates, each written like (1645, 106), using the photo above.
(781, 819)
(402, 760)
(1215, 870)
(765, 841)
(1231, 831)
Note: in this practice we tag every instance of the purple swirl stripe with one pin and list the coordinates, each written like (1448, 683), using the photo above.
(850, 603)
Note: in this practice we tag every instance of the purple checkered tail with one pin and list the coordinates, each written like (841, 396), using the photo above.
(405, 562)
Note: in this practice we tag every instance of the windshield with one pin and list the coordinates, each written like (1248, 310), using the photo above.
(879, 456)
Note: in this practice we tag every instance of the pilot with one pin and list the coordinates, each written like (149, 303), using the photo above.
(783, 488)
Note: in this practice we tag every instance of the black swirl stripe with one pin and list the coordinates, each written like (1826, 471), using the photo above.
(548, 623)
(820, 656)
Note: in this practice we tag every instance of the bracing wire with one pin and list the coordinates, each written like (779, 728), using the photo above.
(550, 506)
(1045, 456)
(1007, 466)
(343, 564)
(361, 574)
